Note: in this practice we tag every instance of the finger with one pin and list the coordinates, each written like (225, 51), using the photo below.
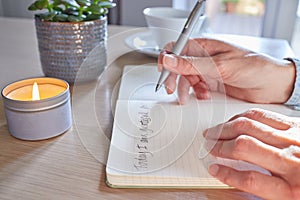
(240, 126)
(251, 150)
(261, 131)
(214, 85)
(273, 119)
(160, 59)
(169, 46)
(170, 83)
(187, 65)
(201, 90)
(193, 79)
(183, 90)
(200, 87)
(265, 186)
(208, 47)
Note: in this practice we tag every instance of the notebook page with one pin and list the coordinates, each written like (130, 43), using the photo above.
(160, 142)
(157, 140)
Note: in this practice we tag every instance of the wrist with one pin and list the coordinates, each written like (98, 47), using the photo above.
(294, 90)
(289, 79)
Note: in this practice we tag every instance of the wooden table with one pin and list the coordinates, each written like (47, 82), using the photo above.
(72, 166)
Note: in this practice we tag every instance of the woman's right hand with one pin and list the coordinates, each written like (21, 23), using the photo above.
(212, 65)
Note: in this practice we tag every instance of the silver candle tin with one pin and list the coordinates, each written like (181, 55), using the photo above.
(40, 119)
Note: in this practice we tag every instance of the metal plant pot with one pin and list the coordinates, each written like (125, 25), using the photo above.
(73, 51)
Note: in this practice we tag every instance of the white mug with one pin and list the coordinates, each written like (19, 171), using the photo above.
(166, 24)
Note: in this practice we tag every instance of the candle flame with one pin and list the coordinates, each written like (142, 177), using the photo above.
(35, 92)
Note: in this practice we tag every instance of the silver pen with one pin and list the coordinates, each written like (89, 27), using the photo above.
(198, 10)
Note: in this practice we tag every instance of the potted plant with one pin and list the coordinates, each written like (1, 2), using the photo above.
(72, 37)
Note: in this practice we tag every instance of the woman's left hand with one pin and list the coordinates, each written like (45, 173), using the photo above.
(267, 139)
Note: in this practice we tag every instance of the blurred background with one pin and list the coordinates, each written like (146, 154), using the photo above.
(266, 18)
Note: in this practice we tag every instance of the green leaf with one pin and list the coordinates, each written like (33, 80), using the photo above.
(72, 3)
(105, 0)
(47, 16)
(84, 2)
(72, 18)
(58, 9)
(98, 10)
(56, 3)
(38, 5)
(32, 7)
(87, 13)
(106, 4)
(95, 9)
(92, 17)
(61, 18)
(104, 11)
(41, 4)
(71, 11)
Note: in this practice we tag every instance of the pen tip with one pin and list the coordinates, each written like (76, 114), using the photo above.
(157, 87)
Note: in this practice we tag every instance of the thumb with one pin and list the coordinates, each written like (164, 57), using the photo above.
(188, 65)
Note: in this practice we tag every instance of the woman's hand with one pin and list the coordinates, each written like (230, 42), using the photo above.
(267, 139)
(212, 65)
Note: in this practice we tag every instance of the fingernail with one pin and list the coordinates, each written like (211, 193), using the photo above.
(170, 60)
(182, 100)
(209, 144)
(169, 91)
(206, 95)
(205, 133)
(213, 169)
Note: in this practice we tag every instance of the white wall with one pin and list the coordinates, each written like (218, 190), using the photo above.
(17, 8)
(132, 15)
(298, 9)
(1, 9)
(185, 5)
(279, 19)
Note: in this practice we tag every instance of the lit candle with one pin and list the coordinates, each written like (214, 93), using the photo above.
(35, 92)
(37, 108)
(24, 93)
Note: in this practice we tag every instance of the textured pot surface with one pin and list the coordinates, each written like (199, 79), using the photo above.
(73, 51)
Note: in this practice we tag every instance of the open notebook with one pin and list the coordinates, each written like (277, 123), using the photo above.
(157, 143)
